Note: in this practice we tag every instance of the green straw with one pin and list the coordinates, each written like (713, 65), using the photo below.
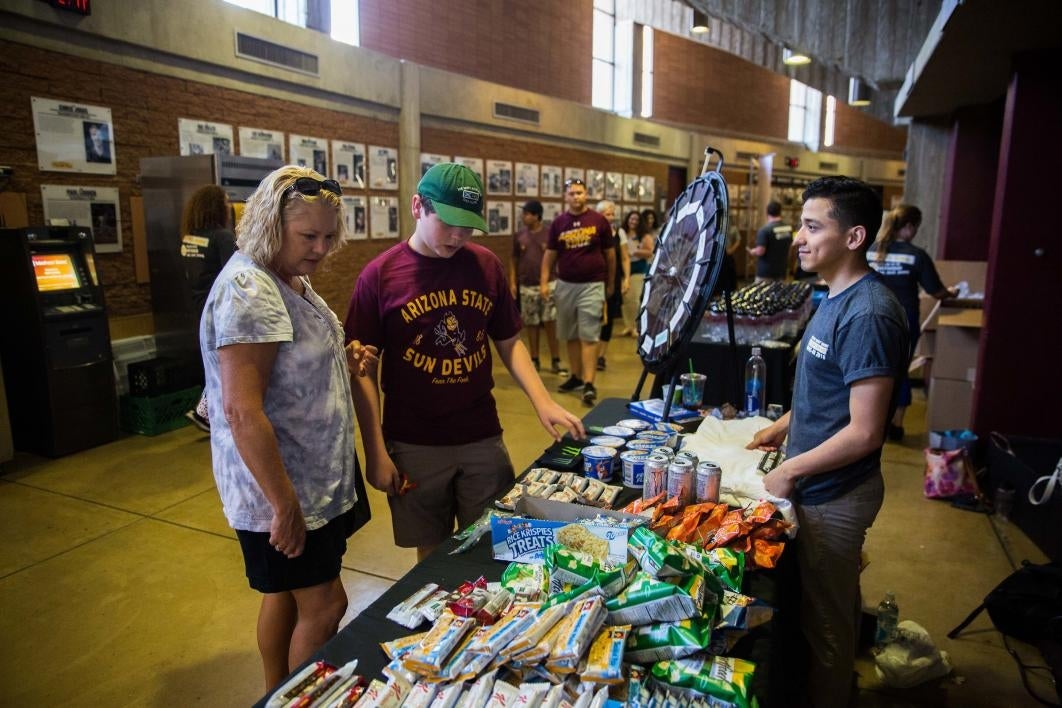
(691, 365)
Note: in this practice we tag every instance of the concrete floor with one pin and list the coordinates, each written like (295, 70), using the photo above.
(121, 583)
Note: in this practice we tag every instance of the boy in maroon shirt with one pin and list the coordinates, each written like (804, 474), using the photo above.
(429, 304)
(525, 267)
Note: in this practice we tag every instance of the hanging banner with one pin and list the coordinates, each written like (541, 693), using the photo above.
(526, 179)
(256, 142)
(551, 184)
(356, 216)
(473, 163)
(96, 207)
(429, 160)
(383, 217)
(305, 151)
(73, 137)
(201, 137)
(349, 163)
(383, 168)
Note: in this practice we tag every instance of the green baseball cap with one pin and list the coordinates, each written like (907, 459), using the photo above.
(456, 192)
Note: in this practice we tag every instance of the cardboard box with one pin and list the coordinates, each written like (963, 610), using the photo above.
(524, 536)
(956, 344)
(950, 403)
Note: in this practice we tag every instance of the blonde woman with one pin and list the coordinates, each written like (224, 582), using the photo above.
(904, 267)
(282, 417)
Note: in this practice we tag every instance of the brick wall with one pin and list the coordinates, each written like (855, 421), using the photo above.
(145, 108)
(542, 46)
(856, 131)
(694, 84)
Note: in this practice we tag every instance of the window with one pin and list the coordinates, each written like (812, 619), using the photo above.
(831, 119)
(805, 112)
(603, 76)
(647, 72)
(343, 14)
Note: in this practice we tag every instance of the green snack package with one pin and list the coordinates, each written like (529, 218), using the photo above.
(726, 564)
(658, 557)
(613, 580)
(568, 568)
(720, 677)
(647, 600)
(590, 588)
(668, 640)
(527, 582)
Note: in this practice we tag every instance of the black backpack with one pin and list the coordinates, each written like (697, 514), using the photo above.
(1027, 605)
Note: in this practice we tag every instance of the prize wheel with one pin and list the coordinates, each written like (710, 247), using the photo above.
(689, 254)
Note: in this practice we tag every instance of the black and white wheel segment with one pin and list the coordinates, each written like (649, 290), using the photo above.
(689, 253)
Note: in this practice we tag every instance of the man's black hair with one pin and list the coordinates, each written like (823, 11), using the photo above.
(774, 208)
(852, 203)
(534, 207)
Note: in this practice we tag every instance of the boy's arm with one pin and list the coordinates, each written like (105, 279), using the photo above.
(517, 360)
(380, 470)
(548, 259)
(868, 406)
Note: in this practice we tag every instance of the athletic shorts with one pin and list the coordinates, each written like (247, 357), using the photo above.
(453, 483)
(533, 309)
(579, 310)
(269, 570)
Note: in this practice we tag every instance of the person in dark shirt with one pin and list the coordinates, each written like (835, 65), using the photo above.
(853, 353)
(773, 242)
(904, 267)
(207, 243)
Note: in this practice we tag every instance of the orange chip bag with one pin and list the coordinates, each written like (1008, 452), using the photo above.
(639, 505)
(734, 517)
(684, 530)
(761, 512)
(663, 524)
(770, 530)
(765, 553)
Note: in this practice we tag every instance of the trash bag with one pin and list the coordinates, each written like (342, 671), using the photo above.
(912, 658)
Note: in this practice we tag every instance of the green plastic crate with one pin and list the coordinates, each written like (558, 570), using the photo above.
(151, 415)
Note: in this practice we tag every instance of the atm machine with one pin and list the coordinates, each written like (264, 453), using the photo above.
(56, 344)
(166, 184)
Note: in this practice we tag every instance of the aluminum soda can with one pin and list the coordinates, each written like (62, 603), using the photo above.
(707, 484)
(654, 475)
(688, 455)
(680, 480)
(664, 450)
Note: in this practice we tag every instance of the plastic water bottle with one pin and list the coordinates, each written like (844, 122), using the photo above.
(755, 384)
(888, 618)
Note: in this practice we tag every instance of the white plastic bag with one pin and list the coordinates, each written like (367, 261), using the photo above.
(911, 658)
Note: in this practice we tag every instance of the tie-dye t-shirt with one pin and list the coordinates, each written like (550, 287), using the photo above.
(308, 399)
(431, 318)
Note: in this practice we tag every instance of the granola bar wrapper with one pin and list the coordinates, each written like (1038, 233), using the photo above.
(724, 679)
(428, 658)
(546, 619)
(587, 617)
(604, 663)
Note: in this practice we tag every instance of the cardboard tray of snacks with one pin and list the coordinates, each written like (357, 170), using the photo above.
(537, 523)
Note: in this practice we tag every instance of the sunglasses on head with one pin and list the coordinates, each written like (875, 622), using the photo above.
(573, 180)
(312, 187)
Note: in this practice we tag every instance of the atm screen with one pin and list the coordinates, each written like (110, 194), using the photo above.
(55, 271)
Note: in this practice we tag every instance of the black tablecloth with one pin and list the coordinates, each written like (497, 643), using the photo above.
(770, 646)
(725, 372)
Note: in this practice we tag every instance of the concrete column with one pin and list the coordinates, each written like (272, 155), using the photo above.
(408, 146)
(927, 149)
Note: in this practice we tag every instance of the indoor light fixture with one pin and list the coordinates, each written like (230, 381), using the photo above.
(858, 93)
(791, 58)
(700, 22)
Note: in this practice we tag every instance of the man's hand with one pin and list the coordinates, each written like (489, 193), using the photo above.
(769, 438)
(513, 290)
(553, 414)
(778, 483)
(625, 286)
(383, 475)
(610, 288)
(287, 532)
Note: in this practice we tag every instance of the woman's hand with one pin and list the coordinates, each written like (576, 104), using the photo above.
(287, 532)
(625, 285)
(362, 359)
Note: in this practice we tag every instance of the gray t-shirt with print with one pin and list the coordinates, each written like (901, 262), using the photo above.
(307, 401)
(858, 334)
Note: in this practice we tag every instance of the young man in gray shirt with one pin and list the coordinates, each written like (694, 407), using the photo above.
(850, 359)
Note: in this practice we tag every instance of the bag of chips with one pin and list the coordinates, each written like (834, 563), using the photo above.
(720, 677)
(668, 640)
(648, 600)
